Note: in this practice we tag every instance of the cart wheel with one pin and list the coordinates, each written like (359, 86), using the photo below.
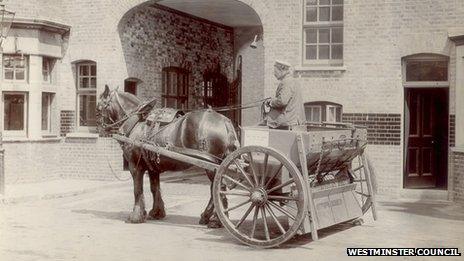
(266, 195)
(362, 175)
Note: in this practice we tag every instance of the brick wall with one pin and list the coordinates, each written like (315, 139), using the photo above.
(67, 122)
(382, 129)
(386, 161)
(452, 130)
(458, 176)
(155, 37)
(32, 161)
(79, 158)
(90, 158)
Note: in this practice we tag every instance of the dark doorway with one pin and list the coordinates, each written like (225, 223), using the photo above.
(217, 89)
(426, 138)
(130, 86)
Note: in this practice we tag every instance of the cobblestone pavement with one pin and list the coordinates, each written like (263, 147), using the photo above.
(92, 227)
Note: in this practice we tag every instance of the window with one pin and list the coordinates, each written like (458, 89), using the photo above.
(86, 95)
(334, 113)
(323, 32)
(175, 87)
(14, 67)
(47, 68)
(425, 70)
(15, 113)
(47, 101)
(323, 111)
(313, 113)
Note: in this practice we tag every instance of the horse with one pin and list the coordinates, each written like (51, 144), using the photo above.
(205, 131)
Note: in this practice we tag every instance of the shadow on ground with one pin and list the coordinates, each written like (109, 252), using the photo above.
(298, 241)
(428, 209)
(217, 235)
(121, 215)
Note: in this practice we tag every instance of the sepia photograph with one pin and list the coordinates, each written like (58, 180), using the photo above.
(231, 130)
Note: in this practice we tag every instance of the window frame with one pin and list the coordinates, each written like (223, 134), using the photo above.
(181, 93)
(50, 62)
(50, 99)
(80, 91)
(425, 58)
(311, 108)
(26, 68)
(16, 133)
(320, 25)
(327, 113)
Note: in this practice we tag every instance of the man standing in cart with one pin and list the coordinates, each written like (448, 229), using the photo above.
(285, 110)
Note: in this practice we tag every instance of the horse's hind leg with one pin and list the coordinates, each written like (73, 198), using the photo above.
(209, 217)
(138, 212)
(158, 205)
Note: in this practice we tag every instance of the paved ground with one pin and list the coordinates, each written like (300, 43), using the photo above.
(92, 226)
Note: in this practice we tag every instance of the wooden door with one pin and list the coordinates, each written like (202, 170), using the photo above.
(426, 138)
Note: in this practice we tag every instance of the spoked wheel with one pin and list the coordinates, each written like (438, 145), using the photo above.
(362, 174)
(260, 196)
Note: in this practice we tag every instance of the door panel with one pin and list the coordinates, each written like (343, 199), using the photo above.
(426, 138)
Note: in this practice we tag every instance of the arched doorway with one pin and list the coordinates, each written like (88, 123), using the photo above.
(197, 37)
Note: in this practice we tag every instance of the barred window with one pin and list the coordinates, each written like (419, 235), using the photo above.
(175, 87)
(323, 32)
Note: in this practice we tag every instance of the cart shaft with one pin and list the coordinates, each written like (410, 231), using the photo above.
(170, 154)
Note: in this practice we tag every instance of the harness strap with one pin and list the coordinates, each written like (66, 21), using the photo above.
(120, 105)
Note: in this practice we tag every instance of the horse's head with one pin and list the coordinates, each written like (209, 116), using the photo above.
(108, 110)
(114, 107)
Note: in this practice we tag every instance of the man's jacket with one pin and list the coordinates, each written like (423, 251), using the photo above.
(287, 106)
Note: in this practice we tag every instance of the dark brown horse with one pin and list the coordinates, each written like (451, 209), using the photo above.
(205, 131)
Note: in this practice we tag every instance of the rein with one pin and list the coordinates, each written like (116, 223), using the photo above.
(114, 124)
(235, 107)
(218, 109)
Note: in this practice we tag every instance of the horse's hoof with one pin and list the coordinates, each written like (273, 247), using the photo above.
(157, 214)
(214, 224)
(203, 220)
(137, 216)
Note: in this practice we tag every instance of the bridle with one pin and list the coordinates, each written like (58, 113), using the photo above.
(105, 116)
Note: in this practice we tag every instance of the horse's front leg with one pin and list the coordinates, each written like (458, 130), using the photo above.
(158, 211)
(138, 212)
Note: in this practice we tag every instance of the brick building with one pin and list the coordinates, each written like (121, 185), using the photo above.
(395, 66)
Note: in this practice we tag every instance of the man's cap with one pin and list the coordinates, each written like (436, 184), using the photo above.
(282, 63)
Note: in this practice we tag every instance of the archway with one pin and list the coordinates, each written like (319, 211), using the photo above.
(196, 37)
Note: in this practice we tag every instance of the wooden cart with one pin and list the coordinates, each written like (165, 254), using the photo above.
(281, 182)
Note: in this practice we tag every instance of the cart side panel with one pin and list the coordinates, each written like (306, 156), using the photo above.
(285, 141)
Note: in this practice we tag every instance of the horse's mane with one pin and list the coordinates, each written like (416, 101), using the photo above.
(130, 97)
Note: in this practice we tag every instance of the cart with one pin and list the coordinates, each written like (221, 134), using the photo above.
(281, 183)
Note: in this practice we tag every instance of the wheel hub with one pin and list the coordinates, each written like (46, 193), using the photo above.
(259, 197)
